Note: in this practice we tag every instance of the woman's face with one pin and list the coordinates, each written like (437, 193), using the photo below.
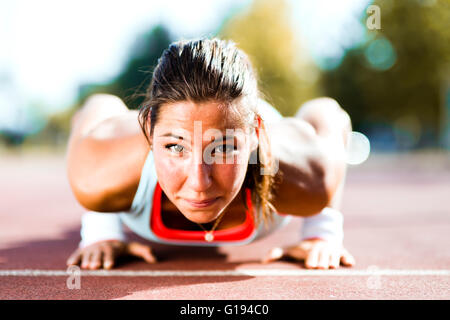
(201, 154)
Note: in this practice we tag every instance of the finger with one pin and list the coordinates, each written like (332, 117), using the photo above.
(347, 259)
(74, 258)
(142, 251)
(85, 256)
(95, 261)
(334, 260)
(324, 258)
(312, 258)
(273, 255)
(296, 252)
(108, 257)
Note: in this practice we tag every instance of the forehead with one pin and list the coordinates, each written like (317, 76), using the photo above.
(211, 114)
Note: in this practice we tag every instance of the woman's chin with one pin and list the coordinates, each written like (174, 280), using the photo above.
(201, 217)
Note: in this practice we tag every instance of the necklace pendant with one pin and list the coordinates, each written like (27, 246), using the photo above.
(209, 237)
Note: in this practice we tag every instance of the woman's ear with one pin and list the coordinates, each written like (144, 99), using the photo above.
(150, 142)
(255, 135)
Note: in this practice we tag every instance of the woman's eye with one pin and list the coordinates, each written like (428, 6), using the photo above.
(176, 148)
(225, 148)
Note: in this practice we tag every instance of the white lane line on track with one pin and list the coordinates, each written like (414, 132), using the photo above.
(215, 273)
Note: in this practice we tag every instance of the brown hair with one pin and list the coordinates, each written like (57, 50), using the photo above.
(213, 70)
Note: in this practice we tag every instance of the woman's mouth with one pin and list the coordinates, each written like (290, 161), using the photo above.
(203, 203)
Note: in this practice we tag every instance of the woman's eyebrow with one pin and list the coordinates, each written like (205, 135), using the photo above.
(222, 138)
(176, 136)
(213, 139)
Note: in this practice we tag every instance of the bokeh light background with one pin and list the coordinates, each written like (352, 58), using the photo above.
(394, 81)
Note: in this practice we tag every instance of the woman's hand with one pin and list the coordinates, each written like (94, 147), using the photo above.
(316, 253)
(104, 253)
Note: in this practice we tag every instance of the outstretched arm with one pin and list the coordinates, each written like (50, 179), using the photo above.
(105, 155)
(310, 167)
(319, 178)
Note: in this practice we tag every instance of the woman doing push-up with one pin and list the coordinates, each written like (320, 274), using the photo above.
(207, 162)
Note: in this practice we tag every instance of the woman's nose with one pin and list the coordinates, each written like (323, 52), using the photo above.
(199, 176)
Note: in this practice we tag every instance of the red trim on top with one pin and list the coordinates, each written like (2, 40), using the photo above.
(237, 233)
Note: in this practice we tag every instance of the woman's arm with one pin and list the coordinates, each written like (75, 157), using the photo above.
(104, 163)
(309, 172)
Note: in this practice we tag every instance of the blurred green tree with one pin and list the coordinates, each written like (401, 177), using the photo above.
(56, 131)
(398, 77)
(287, 75)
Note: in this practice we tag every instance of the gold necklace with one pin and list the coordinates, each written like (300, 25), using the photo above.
(209, 237)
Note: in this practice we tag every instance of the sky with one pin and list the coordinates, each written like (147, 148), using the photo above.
(49, 47)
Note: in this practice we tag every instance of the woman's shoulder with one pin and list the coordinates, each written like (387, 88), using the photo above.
(111, 158)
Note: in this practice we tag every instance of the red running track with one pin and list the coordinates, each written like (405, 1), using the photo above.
(397, 222)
